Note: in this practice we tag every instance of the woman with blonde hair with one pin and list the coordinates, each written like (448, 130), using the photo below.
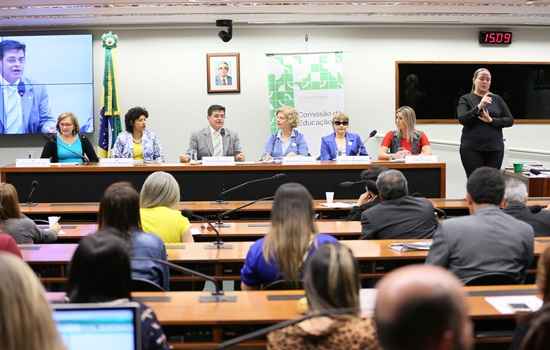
(290, 240)
(287, 141)
(331, 282)
(158, 200)
(16, 224)
(341, 142)
(406, 139)
(26, 320)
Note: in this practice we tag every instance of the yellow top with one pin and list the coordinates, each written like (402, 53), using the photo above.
(167, 223)
(138, 151)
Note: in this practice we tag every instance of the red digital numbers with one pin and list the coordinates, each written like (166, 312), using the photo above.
(495, 38)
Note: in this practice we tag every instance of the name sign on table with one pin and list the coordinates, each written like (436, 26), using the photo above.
(353, 159)
(299, 160)
(116, 162)
(32, 162)
(218, 160)
(421, 159)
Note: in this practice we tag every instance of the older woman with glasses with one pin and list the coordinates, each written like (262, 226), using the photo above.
(341, 142)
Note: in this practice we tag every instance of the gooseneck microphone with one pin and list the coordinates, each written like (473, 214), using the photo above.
(83, 157)
(218, 244)
(234, 210)
(372, 134)
(246, 183)
(347, 184)
(216, 296)
(29, 203)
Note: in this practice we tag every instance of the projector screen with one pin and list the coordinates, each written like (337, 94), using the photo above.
(42, 76)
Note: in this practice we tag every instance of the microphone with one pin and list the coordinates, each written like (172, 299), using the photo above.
(372, 134)
(222, 132)
(218, 244)
(234, 210)
(34, 186)
(328, 312)
(246, 183)
(216, 296)
(83, 157)
(347, 184)
(21, 88)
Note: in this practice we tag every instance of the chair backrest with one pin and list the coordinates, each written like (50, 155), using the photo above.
(143, 285)
(491, 279)
(283, 285)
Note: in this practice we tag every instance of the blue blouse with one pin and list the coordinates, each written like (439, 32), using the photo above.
(354, 146)
(67, 152)
(256, 271)
(297, 144)
(147, 245)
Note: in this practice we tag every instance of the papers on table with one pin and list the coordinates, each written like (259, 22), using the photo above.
(337, 205)
(515, 303)
(406, 246)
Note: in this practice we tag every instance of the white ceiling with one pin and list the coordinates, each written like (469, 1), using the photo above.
(18, 14)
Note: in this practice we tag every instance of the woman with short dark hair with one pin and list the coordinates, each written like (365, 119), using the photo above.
(137, 141)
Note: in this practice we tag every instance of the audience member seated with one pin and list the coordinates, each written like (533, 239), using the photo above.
(398, 215)
(159, 199)
(119, 209)
(137, 142)
(530, 322)
(370, 197)
(214, 140)
(341, 142)
(69, 146)
(422, 308)
(515, 203)
(331, 281)
(487, 241)
(291, 238)
(8, 244)
(287, 141)
(26, 320)
(16, 224)
(406, 140)
(100, 273)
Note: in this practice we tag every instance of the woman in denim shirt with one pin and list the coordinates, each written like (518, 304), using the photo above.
(287, 141)
(137, 142)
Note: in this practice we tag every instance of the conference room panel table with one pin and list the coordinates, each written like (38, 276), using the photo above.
(86, 183)
(191, 324)
(376, 258)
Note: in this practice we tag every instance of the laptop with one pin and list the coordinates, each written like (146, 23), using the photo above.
(99, 326)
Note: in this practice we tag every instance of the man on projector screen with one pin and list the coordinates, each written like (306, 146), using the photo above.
(24, 106)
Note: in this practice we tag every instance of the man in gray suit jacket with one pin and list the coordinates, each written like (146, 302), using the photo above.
(487, 241)
(214, 140)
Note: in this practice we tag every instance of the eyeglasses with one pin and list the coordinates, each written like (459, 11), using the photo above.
(338, 122)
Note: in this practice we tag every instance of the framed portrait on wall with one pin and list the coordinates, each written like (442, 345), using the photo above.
(223, 72)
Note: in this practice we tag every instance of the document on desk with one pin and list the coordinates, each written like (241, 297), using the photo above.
(343, 205)
(405, 246)
(515, 303)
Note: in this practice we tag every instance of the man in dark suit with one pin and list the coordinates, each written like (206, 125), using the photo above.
(515, 198)
(214, 140)
(398, 215)
(488, 241)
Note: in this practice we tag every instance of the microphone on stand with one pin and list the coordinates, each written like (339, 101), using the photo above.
(218, 244)
(246, 183)
(217, 295)
(371, 135)
(83, 157)
(34, 186)
(234, 210)
(347, 184)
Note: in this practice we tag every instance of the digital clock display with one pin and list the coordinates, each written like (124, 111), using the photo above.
(495, 38)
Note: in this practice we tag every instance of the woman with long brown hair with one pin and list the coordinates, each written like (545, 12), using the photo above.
(292, 237)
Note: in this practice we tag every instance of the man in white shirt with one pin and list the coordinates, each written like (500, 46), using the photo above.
(214, 140)
(24, 106)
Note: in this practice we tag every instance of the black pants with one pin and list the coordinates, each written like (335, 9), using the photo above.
(471, 159)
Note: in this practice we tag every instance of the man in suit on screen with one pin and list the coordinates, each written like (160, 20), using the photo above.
(214, 140)
(24, 105)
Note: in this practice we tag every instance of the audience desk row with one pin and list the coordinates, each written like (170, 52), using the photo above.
(86, 183)
(190, 324)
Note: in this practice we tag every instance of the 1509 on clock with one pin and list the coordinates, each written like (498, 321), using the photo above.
(495, 38)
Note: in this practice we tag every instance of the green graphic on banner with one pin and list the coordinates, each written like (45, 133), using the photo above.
(301, 72)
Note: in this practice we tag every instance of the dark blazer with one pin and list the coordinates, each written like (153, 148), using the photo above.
(539, 221)
(488, 241)
(356, 211)
(401, 218)
(50, 150)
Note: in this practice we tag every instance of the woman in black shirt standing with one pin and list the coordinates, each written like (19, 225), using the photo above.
(483, 115)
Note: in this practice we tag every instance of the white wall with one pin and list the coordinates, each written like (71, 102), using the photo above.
(164, 70)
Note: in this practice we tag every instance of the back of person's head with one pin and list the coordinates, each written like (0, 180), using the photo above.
(331, 279)
(515, 191)
(422, 307)
(6, 45)
(100, 269)
(486, 186)
(119, 209)
(292, 228)
(538, 335)
(26, 320)
(370, 176)
(9, 202)
(543, 280)
(392, 184)
(160, 189)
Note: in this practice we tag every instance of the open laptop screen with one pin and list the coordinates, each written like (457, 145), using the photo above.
(96, 326)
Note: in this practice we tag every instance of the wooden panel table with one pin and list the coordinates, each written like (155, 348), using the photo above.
(189, 324)
(86, 183)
